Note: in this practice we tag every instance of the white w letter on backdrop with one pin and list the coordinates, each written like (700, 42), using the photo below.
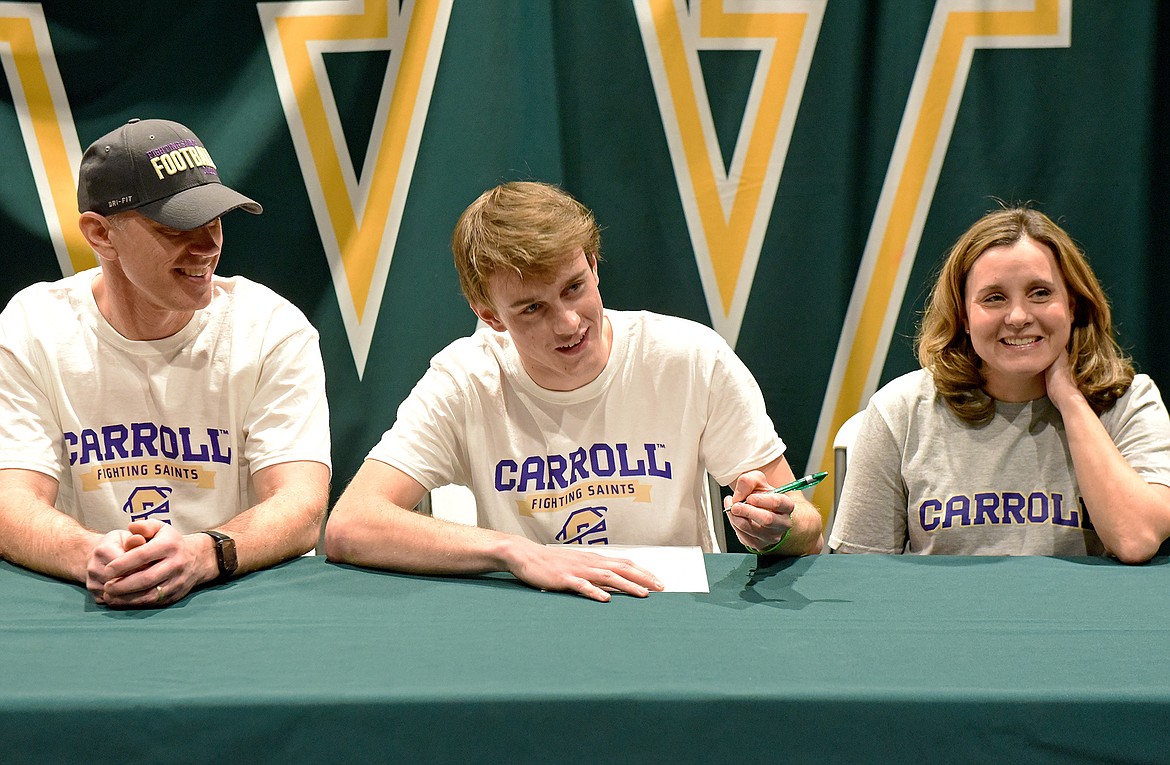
(46, 124)
(727, 211)
(358, 214)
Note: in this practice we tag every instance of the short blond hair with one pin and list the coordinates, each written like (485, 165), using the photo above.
(1101, 369)
(525, 227)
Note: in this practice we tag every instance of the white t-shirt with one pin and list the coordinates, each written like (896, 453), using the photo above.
(921, 480)
(621, 460)
(170, 429)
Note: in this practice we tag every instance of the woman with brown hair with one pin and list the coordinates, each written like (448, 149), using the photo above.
(1026, 432)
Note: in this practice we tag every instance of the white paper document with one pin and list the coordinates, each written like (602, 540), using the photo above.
(680, 569)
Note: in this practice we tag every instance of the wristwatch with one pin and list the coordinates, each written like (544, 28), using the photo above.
(225, 554)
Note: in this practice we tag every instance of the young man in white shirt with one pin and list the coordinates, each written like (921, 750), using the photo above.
(571, 424)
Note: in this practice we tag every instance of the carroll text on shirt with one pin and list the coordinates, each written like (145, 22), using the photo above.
(1004, 508)
(148, 439)
(559, 471)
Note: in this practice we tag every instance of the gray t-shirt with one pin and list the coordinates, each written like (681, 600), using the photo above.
(921, 480)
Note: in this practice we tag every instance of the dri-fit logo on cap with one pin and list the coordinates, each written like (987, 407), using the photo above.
(179, 156)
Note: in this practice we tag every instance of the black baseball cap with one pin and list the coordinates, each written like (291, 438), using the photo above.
(162, 170)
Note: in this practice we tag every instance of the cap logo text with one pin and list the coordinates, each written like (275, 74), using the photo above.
(179, 156)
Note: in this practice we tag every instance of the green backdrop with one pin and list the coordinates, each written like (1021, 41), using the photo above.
(571, 92)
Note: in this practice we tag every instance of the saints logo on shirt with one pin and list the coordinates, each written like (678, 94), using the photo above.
(585, 526)
(149, 502)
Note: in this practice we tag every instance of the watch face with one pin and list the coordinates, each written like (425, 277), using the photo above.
(227, 548)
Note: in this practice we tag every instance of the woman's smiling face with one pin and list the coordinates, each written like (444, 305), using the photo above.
(1019, 317)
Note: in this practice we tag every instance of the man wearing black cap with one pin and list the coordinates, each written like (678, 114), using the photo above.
(160, 427)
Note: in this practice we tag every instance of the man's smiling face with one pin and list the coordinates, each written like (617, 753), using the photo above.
(557, 323)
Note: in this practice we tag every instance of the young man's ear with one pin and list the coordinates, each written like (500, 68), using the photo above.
(96, 230)
(489, 317)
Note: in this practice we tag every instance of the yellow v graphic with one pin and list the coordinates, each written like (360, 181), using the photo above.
(957, 29)
(727, 210)
(357, 214)
(46, 124)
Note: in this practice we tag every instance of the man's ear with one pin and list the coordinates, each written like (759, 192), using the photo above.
(489, 317)
(96, 230)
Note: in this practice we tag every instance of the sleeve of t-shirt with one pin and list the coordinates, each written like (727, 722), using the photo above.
(1140, 426)
(30, 434)
(424, 441)
(871, 514)
(287, 419)
(739, 436)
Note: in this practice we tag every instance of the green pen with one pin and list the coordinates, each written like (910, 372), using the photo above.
(800, 483)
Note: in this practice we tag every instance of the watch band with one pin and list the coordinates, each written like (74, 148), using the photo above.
(225, 554)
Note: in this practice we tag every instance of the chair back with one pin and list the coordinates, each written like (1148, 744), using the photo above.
(842, 443)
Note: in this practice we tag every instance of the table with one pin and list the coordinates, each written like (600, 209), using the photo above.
(822, 659)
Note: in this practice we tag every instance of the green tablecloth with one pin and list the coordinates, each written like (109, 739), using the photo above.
(828, 658)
